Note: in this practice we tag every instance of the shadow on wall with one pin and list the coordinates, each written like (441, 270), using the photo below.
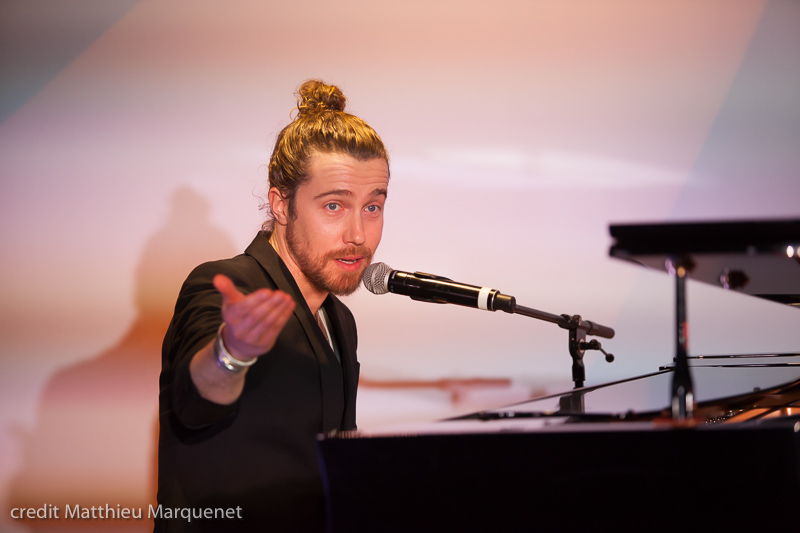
(96, 440)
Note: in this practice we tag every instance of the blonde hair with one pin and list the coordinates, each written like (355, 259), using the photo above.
(321, 126)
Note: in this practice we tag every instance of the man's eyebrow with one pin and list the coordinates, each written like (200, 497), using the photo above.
(346, 192)
(334, 192)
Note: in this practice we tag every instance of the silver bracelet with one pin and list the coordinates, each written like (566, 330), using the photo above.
(224, 358)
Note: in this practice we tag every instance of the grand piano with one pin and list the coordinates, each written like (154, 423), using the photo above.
(702, 442)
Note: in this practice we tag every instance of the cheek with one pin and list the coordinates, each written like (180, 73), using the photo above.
(375, 230)
(323, 228)
(330, 236)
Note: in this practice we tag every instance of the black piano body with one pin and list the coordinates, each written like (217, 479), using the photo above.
(607, 458)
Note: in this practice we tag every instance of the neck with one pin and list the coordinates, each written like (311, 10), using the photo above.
(313, 296)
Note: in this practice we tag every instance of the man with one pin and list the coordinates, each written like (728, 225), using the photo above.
(260, 356)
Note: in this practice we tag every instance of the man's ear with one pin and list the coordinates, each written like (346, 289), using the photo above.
(279, 206)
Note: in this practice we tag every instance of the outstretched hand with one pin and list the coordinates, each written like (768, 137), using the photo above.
(253, 321)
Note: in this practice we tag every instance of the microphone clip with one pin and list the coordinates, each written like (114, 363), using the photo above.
(578, 345)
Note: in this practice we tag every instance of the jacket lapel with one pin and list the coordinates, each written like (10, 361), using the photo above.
(347, 341)
(330, 371)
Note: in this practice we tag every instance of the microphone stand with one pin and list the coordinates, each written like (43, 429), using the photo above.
(578, 330)
(682, 403)
(577, 327)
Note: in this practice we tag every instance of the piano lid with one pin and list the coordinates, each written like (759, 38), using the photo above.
(760, 258)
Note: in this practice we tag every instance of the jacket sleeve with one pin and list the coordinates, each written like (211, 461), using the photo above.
(195, 323)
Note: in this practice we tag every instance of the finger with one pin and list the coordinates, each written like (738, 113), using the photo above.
(249, 338)
(272, 321)
(279, 306)
(230, 294)
(245, 312)
(266, 337)
(276, 325)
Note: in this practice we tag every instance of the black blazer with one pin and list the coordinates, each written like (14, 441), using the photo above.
(258, 454)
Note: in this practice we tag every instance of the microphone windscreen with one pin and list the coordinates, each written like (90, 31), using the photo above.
(376, 277)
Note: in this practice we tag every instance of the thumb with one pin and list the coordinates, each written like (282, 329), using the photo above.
(230, 294)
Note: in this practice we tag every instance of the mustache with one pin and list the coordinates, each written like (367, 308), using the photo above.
(349, 251)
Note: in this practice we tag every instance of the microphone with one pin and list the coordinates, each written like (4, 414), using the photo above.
(379, 278)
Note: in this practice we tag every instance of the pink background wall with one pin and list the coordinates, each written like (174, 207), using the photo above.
(132, 145)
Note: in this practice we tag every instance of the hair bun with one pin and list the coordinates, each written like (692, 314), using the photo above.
(315, 96)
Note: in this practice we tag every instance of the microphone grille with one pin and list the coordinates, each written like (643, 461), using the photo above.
(376, 278)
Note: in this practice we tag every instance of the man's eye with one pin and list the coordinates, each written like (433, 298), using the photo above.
(373, 208)
(332, 206)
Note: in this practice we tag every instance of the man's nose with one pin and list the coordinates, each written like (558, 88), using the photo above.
(355, 230)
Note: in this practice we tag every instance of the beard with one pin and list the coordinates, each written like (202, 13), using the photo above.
(315, 267)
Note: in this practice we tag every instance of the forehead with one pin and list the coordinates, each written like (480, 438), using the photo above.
(341, 171)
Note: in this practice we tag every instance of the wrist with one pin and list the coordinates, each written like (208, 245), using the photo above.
(224, 359)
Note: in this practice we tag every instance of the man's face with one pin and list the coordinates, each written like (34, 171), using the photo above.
(339, 220)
